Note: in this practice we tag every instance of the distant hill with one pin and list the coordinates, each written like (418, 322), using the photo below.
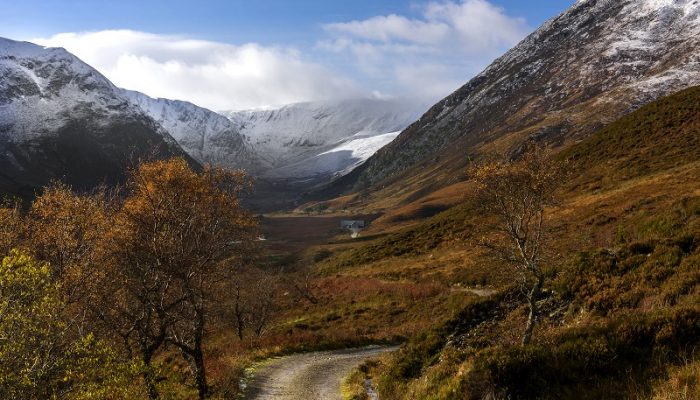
(312, 143)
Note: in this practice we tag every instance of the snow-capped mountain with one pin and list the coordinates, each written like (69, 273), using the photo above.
(585, 68)
(207, 136)
(310, 142)
(322, 139)
(61, 119)
(341, 159)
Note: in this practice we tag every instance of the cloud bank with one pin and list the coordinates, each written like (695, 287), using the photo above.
(430, 55)
(425, 57)
(215, 75)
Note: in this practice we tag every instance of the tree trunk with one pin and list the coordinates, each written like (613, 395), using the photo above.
(200, 374)
(240, 322)
(147, 353)
(194, 355)
(532, 299)
(195, 358)
(149, 378)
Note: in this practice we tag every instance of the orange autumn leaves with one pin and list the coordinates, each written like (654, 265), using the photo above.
(141, 267)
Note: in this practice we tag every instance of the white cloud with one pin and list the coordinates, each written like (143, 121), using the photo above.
(210, 74)
(477, 25)
(432, 55)
(432, 81)
(393, 27)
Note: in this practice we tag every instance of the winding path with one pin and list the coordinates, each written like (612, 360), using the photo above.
(309, 376)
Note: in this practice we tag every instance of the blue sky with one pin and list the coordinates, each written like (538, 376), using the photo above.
(302, 49)
(236, 21)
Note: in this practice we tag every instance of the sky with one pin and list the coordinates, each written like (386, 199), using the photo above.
(234, 55)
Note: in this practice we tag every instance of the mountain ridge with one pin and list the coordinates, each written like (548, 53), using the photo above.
(297, 140)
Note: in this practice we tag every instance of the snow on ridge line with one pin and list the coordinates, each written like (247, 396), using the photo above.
(22, 50)
(29, 49)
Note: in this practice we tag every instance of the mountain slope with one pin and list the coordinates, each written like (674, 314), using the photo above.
(60, 119)
(623, 309)
(579, 71)
(306, 142)
(660, 136)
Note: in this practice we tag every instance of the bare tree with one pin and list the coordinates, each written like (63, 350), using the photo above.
(515, 194)
(134, 301)
(263, 305)
(253, 303)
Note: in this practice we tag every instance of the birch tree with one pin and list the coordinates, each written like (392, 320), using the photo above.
(515, 195)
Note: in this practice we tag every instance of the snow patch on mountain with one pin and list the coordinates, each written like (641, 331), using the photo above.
(295, 141)
(338, 161)
(297, 131)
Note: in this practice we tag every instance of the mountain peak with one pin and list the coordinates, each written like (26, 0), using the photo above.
(27, 49)
(60, 119)
(645, 8)
(29, 69)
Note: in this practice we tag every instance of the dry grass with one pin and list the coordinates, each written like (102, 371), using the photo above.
(683, 383)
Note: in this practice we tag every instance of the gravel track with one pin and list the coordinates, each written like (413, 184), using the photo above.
(309, 376)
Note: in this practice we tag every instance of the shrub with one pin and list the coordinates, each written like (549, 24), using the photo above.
(39, 357)
(604, 356)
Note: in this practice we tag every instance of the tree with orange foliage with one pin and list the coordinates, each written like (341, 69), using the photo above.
(176, 241)
(65, 230)
(516, 193)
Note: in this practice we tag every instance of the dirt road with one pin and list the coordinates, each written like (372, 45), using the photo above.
(311, 376)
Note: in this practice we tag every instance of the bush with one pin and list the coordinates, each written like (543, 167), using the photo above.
(603, 356)
(39, 357)
(426, 349)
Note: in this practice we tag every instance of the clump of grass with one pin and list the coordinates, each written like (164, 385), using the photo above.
(353, 387)
(682, 383)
